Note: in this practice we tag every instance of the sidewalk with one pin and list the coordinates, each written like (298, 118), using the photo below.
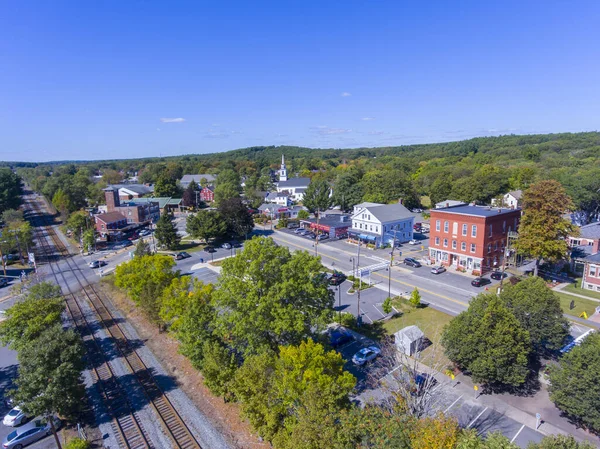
(560, 287)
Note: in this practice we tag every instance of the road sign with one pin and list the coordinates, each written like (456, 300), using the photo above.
(31, 257)
(538, 421)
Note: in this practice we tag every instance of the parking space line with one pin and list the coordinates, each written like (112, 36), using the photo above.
(368, 317)
(476, 418)
(382, 314)
(452, 405)
(515, 437)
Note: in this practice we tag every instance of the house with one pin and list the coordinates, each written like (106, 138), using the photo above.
(335, 225)
(471, 238)
(130, 191)
(448, 203)
(586, 255)
(409, 340)
(185, 181)
(381, 224)
(207, 194)
(513, 199)
(296, 187)
(143, 211)
(273, 211)
(110, 222)
(280, 198)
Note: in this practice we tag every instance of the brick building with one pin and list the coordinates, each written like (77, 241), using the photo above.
(133, 212)
(586, 255)
(207, 194)
(471, 238)
(110, 222)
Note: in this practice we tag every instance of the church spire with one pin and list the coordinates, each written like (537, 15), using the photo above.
(282, 161)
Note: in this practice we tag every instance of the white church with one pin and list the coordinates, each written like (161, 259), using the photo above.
(295, 187)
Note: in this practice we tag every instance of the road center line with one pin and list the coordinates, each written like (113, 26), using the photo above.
(476, 418)
(452, 405)
(515, 437)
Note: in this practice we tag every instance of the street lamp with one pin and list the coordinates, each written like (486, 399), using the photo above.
(339, 290)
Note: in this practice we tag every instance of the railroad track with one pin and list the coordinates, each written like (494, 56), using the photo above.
(172, 422)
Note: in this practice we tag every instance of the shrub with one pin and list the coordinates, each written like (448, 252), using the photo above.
(78, 443)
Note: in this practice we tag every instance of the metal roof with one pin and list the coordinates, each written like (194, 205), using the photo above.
(388, 212)
(477, 211)
(294, 182)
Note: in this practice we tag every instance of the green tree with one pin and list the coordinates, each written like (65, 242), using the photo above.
(166, 233)
(538, 310)
(12, 216)
(469, 439)
(543, 231)
(78, 222)
(206, 225)
(10, 189)
(27, 319)
(49, 379)
(78, 443)
(560, 442)
(187, 310)
(269, 297)
(489, 342)
(89, 239)
(226, 191)
(218, 367)
(236, 216)
(189, 195)
(144, 279)
(316, 197)
(142, 249)
(112, 177)
(415, 298)
(166, 187)
(574, 387)
(387, 305)
(388, 186)
(347, 190)
(62, 202)
(303, 214)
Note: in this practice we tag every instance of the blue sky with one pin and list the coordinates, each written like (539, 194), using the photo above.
(95, 80)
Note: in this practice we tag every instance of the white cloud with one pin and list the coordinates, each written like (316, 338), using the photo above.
(366, 119)
(327, 131)
(172, 120)
(346, 94)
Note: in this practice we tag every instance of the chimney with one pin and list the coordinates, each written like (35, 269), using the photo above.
(112, 198)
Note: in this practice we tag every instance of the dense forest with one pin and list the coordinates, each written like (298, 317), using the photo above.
(476, 170)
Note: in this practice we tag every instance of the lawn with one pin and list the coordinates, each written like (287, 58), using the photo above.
(576, 288)
(581, 305)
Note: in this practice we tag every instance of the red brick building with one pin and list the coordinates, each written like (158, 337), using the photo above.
(471, 238)
(207, 194)
(110, 222)
(132, 211)
(586, 255)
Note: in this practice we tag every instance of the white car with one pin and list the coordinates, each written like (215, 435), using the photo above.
(15, 417)
(366, 355)
(413, 242)
(437, 269)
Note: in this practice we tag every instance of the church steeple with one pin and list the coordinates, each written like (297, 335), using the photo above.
(283, 170)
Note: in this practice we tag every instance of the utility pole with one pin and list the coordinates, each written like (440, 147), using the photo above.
(317, 235)
(2, 257)
(390, 267)
(358, 318)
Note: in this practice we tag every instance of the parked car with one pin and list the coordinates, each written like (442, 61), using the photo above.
(417, 211)
(412, 262)
(235, 244)
(310, 235)
(127, 243)
(96, 263)
(423, 382)
(497, 275)
(3, 282)
(480, 282)
(322, 236)
(293, 225)
(413, 242)
(226, 245)
(301, 231)
(29, 433)
(337, 278)
(338, 337)
(145, 232)
(437, 269)
(366, 355)
(342, 236)
(133, 236)
(209, 249)
(15, 417)
(182, 255)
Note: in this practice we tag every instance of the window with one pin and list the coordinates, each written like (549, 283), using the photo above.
(376, 228)
(363, 216)
(454, 228)
(474, 231)
(464, 229)
(490, 230)
(103, 227)
(504, 226)
(593, 270)
(446, 226)
(360, 225)
(445, 243)
(472, 247)
(370, 227)
(496, 246)
(369, 217)
(489, 248)
(509, 229)
(453, 244)
(437, 225)
(463, 246)
(437, 241)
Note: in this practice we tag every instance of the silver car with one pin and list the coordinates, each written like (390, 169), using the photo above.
(438, 269)
(29, 433)
(15, 417)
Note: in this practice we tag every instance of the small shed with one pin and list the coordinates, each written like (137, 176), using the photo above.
(409, 339)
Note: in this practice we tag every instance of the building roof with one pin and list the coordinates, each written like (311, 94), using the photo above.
(162, 201)
(111, 217)
(449, 203)
(211, 188)
(185, 181)
(590, 231)
(475, 211)
(413, 333)
(335, 221)
(273, 195)
(388, 212)
(517, 194)
(140, 189)
(594, 258)
(367, 204)
(294, 182)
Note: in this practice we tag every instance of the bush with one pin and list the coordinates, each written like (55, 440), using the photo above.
(78, 443)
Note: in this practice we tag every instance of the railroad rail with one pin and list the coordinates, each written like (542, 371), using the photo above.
(125, 423)
(172, 422)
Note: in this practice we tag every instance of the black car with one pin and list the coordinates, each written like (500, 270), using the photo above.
(3, 282)
(338, 337)
(337, 278)
(182, 255)
(412, 262)
(497, 275)
(480, 282)
(209, 249)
